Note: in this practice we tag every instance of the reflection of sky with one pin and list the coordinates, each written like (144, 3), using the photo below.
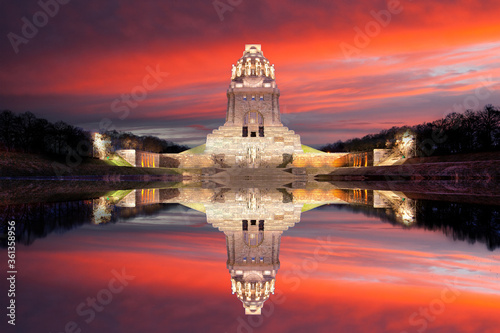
(369, 277)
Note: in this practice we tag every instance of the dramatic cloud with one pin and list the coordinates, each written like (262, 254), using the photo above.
(344, 68)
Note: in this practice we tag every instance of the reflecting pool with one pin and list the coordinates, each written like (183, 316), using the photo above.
(208, 257)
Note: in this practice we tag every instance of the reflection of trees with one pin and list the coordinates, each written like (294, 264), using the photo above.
(460, 221)
(126, 213)
(384, 214)
(37, 220)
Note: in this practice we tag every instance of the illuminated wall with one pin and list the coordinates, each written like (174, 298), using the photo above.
(140, 159)
(147, 160)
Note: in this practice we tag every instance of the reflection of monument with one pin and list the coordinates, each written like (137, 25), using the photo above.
(403, 208)
(253, 220)
(101, 210)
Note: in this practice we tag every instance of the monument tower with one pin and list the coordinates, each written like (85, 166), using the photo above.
(253, 135)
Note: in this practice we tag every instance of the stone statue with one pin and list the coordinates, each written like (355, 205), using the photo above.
(252, 202)
(238, 70)
(248, 68)
(252, 155)
(266, 68)
(258, 68)
(272, 72)
(233, 72)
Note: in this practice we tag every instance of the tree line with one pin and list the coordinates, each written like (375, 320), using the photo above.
(125, 140)
(27, 133)
(471, 131)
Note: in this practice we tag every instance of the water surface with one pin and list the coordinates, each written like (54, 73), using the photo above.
(322, 258)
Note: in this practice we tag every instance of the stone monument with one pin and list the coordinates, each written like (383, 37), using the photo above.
(253, 135)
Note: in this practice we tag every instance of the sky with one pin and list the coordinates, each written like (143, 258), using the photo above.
(339, 271)
(344, 68)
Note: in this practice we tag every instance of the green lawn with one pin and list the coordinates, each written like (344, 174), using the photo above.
(116, 196)
(116, 160)
(311, 150)
(310, 206)
(196, 150)
(200, 149)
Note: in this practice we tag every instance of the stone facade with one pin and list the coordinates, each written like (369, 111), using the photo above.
(139, 158)
(318, 160)
(253, 135)
(189, 160)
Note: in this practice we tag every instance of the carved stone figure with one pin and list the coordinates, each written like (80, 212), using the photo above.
(233, 72)
(248, 68)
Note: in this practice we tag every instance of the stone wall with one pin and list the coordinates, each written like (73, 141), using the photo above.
(147, 160)
(230, 148)
(318, 160)
(128, 155)
(380, 155)
(188, 160)
(139, 158)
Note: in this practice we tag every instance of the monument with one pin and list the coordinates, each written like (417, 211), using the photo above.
(253, 135)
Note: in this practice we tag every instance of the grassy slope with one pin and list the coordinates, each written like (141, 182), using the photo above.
(200, 149)
(116, 160)
(196, 150)
(21, 164)
(311, 150)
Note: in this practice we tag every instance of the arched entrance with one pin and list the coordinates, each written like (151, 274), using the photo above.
(253, 124)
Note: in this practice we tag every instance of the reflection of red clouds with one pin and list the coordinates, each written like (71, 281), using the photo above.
(182, 276)
(375, 307)
(160, 260)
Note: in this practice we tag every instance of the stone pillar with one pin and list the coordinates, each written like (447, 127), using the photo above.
(230, 107)
(276, 249)
(273, 108)
(230, 248)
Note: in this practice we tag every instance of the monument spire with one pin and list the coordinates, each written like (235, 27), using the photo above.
(253, 135)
